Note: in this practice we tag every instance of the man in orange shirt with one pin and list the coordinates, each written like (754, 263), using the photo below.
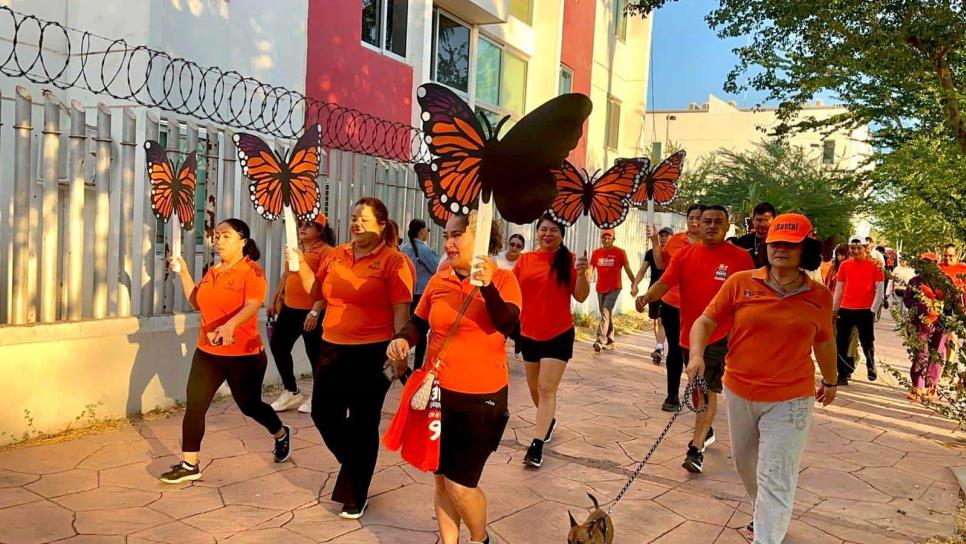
(608, 260)
(858, 294)
(700, 270)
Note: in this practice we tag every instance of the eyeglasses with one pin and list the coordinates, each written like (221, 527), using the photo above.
(517, 246)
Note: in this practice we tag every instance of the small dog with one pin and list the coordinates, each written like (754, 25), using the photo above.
(598, 529)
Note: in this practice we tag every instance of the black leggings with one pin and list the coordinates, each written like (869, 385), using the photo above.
(350, 388)
(671, 319)
(865, 322)
(244, 374)
(421, 344)
(289, 326)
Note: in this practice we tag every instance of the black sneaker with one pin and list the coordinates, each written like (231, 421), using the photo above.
(671, 405)
(694, 460)
(353, 512)
(842, 381)
(283, 446)
(534, 456)
(553, 427)
(872, 374)
(708, 439)
(597, 347)
(182, 472)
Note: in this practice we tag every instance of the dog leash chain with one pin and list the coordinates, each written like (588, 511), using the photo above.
(687, 402)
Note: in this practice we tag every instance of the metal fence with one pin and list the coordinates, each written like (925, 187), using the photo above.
(78, 239)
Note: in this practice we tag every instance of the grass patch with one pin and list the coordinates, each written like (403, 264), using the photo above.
(586, 324)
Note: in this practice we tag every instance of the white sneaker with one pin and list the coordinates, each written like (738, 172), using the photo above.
(306, 407)
(287, 400)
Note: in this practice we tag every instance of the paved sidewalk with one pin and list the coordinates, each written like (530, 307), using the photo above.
(875, 470)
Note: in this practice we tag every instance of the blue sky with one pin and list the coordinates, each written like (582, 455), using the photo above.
(689, 60)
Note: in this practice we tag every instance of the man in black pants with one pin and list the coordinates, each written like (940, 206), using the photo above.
(858, 294)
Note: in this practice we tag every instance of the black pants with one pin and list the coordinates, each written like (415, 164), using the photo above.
(671, 319)
(346, 408)
(864, 321)
(421, 345)
(244, 374)
(289, 326)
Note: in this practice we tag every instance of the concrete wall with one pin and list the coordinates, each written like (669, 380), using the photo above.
(70, 373)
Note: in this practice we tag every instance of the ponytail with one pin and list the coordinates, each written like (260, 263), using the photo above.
(563, 261)
(251, 248)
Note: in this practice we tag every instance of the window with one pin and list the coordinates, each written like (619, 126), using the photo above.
(613, 128)
(451, 53)
(566, 80)
(828, 152)
(522, 9)
(620, 19)
(656, 152)
(384, 24)
(501, 78)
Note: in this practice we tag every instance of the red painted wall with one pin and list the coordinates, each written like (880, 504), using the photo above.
(577, 53)
(341, 70)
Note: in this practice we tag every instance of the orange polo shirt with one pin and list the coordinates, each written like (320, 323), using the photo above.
(859, 278)
(770, 342)
(673, 246)
(220, 295)
(700, 271)
(475, 361)
(546, 303)
(360, 293)
(295, 295)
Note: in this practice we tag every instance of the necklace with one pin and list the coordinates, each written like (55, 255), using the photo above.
(783, 286)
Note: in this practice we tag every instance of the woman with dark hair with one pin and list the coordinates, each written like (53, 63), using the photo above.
(297, 315)
(229, 346)
(472, 374)
(769, 386)
(548, 278)
(366, 287)
(508, 259)
(425, 261)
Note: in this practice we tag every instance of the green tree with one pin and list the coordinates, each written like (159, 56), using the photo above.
(896, 64)
(784, 175)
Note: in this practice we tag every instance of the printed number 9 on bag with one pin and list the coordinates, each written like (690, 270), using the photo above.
(436, 428)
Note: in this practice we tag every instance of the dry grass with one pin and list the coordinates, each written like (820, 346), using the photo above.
(586, 324)
(960, 534)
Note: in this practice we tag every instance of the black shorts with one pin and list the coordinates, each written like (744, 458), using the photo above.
(654, 309)
(471, 428)
(714, 363)
(559, 347)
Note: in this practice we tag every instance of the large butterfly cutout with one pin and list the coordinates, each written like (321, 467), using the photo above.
(277, 182)
(604, 198)
(661, 183)
(170, 192)
(469, 158)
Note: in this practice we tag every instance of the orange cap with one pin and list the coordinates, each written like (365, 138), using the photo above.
(321, 219)
(930, 256)
(789, 227)
(607, 232)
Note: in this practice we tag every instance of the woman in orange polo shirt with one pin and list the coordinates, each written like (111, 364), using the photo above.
(770, 385)
(548, 278)
(229, 345)
(366, 287)
(473, 374)
(297, 314)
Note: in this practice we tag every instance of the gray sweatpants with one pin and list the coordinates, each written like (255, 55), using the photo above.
(767, 440)
(605, 329)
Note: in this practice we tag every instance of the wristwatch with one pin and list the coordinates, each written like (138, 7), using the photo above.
(829, 384)
(313, 313)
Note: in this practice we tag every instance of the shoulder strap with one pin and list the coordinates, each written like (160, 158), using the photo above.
(452, 330)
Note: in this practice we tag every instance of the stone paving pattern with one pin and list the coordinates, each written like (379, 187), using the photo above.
(876, 469)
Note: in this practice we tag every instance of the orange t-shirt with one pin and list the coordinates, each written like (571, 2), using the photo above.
(673, 246)
(955, 271)
(295, 295)
(700, 271)
(220, 295)
(475, 361)
(546, 303)
(770, 342)
(859, 278)
(609, 263)
(359, 294)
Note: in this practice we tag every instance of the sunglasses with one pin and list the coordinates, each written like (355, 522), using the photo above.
(518, 246)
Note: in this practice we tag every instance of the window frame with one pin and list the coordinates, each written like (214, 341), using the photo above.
(565, 69)
(381, 29)
(828, 152)
(608, 129)
(471, 53)
(619, 20)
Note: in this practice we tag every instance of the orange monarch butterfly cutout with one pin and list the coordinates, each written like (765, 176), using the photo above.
(172, 195)
(660, 185)
(604, 198)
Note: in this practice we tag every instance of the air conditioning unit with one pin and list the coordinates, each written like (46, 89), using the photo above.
(693, 106)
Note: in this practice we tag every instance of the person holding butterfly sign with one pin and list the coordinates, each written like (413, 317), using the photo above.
(470, 359)
(366, 287)
(548, 278)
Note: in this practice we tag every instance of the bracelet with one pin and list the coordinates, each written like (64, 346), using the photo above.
(829, 384)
